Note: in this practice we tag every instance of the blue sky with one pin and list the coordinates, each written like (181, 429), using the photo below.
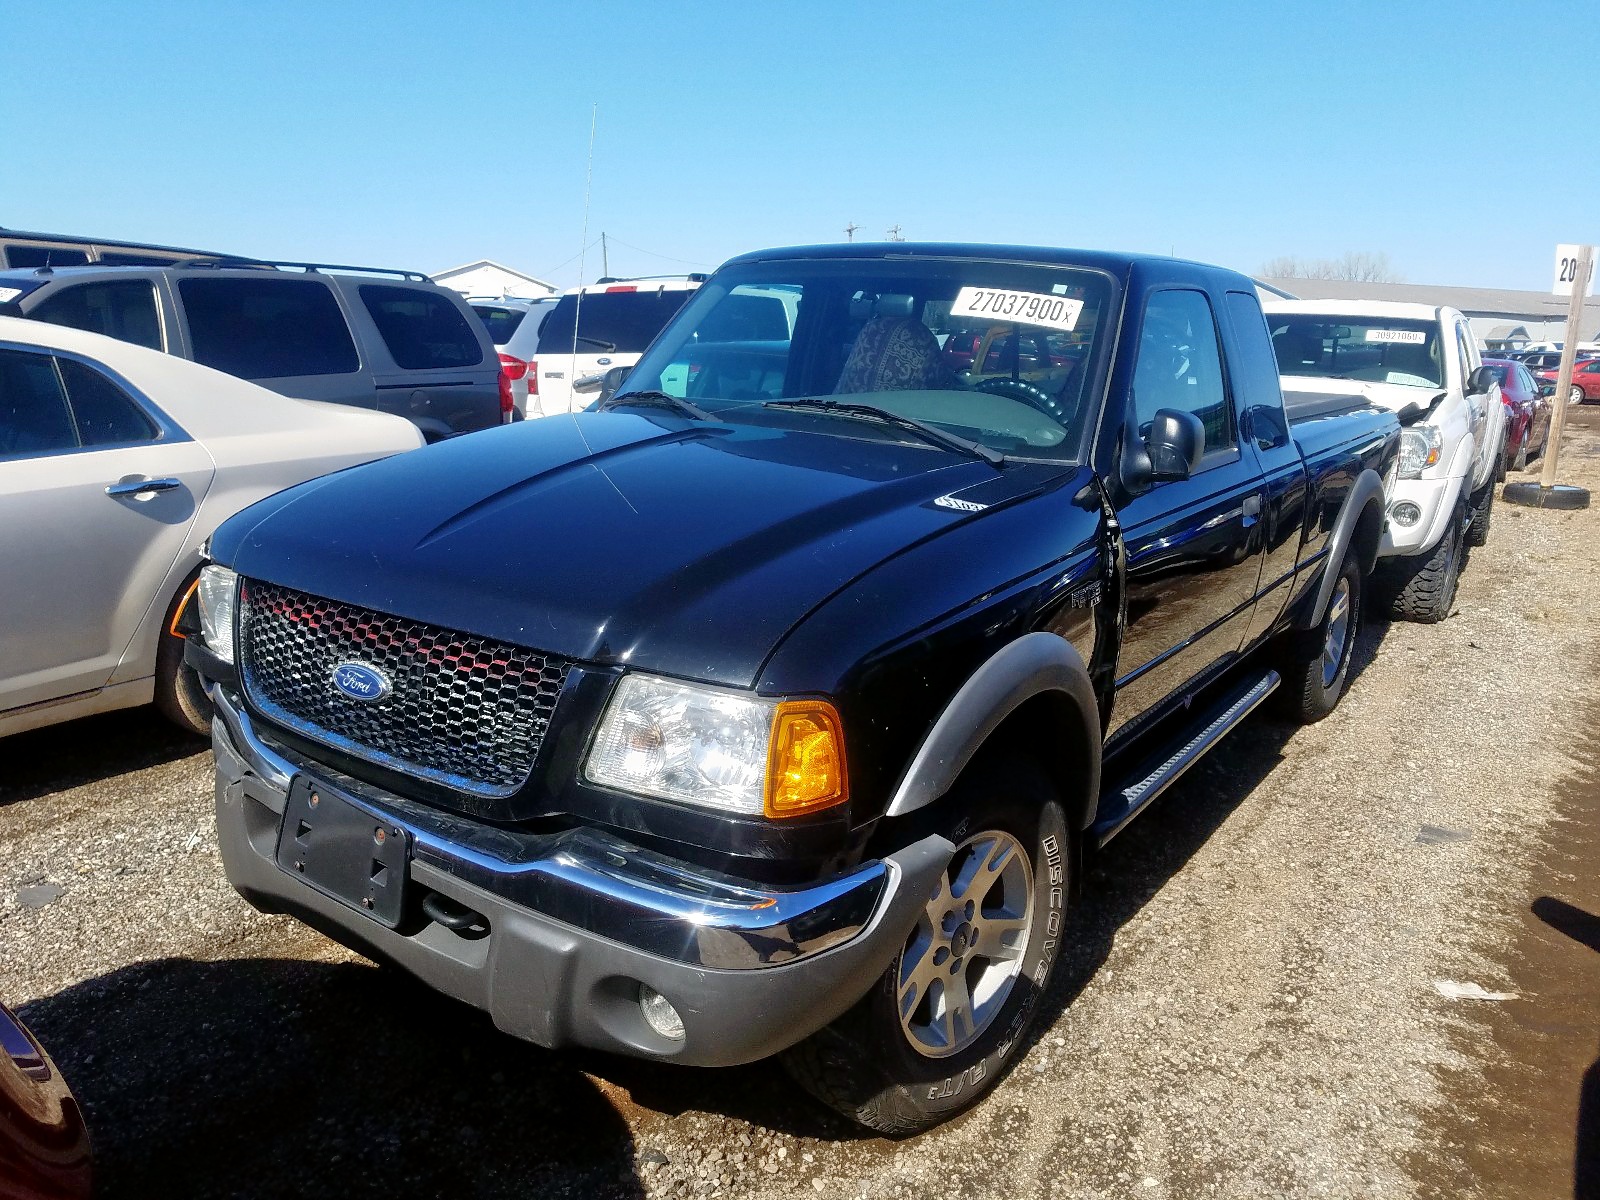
(427, 134)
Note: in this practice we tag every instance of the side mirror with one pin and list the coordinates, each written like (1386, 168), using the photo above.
(1177, 441)
(1480, 381)
(1547, 389)
(613, 380)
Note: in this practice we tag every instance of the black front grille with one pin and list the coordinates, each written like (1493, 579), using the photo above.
(463, 711)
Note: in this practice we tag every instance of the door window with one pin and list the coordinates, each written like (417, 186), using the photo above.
(267, 328)
(1179, 366)
(122, 308)
(1464, 353)
(423, 330)
(34, 417)
(107, 416)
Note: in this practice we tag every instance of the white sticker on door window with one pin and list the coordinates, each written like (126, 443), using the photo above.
(1414, 337)
(1026, 308)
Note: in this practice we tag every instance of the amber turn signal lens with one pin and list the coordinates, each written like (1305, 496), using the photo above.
(805, 759)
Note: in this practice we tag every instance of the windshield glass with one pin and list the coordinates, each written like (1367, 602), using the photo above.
(996, 353)
(1370, 349)
(499, 321)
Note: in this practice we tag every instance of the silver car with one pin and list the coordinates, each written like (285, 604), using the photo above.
(116, 463)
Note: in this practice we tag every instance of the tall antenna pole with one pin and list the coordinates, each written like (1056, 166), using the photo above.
(605, 258)
(588, 180)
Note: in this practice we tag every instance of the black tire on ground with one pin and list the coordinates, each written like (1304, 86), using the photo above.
(1575, 395)
(1522, 454)
(180, 696)
(867, 1064)
(1316, 662)
(1482, 512)
(1428, 585)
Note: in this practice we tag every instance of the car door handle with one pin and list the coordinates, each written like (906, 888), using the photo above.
(141, 487)
(1251, 507)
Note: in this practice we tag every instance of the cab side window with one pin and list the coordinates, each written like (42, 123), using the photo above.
(1179, 366)
(34, 417)
(1463, 352)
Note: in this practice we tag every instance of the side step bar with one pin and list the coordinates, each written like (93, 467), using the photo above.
(1119, 807)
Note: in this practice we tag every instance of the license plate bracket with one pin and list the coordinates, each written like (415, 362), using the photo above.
(345, 850)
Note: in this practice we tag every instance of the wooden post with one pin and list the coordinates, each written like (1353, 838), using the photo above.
(1569, 352)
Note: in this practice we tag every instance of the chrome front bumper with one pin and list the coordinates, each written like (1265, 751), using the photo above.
(578, 920)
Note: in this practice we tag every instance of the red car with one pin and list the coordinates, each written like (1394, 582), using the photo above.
(44, 1146)
(1527, 412)
(1585, 380)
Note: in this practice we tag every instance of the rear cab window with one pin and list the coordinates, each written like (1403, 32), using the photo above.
(267, 328)
(423, 330)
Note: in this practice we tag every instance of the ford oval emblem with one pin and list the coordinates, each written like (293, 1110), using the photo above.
(602, 362)
(361, 682)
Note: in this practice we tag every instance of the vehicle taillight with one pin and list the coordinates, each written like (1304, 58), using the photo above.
(507, 404)
(625, 288)
(513, 366)
(533, 377)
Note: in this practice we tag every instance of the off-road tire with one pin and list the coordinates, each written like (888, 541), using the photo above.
(1482, 513)
(1428, 592)
(180, 696)
(1309, 693)
(865, 1065)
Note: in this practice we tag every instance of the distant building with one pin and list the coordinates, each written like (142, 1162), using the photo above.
(488, 278)
(1501, 319)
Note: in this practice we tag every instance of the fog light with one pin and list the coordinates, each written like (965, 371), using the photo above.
(1405, 513)
(659, 1013)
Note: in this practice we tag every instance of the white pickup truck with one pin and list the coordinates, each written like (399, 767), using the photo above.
(1421, 362)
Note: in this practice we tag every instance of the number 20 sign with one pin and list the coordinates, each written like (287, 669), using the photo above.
(1569, 261)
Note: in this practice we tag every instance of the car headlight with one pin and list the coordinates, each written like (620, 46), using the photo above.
(217, 589)
(718, 749)
(1419, 450)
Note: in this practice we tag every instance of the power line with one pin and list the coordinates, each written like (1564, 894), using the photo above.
(666, 257)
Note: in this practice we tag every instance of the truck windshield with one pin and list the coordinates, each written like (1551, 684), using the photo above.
(1369, 349)
(997, 353)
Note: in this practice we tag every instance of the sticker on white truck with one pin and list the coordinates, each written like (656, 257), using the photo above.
(1413, 337)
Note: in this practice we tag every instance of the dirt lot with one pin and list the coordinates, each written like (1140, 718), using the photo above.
(1252, 1005)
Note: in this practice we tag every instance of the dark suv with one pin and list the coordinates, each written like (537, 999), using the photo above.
(390, 340)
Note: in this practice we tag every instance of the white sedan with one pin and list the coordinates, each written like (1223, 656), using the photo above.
(116, 463)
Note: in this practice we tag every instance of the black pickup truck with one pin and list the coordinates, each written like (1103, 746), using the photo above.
(774, 704)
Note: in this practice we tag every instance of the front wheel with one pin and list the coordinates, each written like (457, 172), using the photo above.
(1428, 592)
(1575, 396)
(180, 696)
(1316, 662)
(945, 1021)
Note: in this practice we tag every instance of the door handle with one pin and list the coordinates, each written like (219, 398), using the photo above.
(1251, 507)
(141, 487)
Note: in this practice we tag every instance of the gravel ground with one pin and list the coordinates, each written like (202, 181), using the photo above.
(1249, 1006)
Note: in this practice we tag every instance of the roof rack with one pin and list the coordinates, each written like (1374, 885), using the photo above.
(692, 277)
(223, 261)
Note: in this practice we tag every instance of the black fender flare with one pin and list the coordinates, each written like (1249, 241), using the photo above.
(1033, 665)
(1366, 494)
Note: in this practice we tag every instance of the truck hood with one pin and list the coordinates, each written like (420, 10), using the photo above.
(1392, 396)
(688, 548)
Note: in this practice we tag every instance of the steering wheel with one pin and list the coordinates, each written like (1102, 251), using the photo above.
(1034, 397)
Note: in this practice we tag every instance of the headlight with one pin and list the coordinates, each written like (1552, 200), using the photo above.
(216, 591)
(1419, 450)
(718, 749)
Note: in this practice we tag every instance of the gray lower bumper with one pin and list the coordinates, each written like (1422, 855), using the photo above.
(578, 921)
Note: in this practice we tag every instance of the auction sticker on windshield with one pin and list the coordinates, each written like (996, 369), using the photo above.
(1028, 308)
(1413, 337)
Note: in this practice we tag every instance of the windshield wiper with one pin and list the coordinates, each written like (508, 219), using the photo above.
(931, 433)
(601, 342)
(656, 399)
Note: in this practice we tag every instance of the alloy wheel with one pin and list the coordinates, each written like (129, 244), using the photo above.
(962, 960)
(1333, 646)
